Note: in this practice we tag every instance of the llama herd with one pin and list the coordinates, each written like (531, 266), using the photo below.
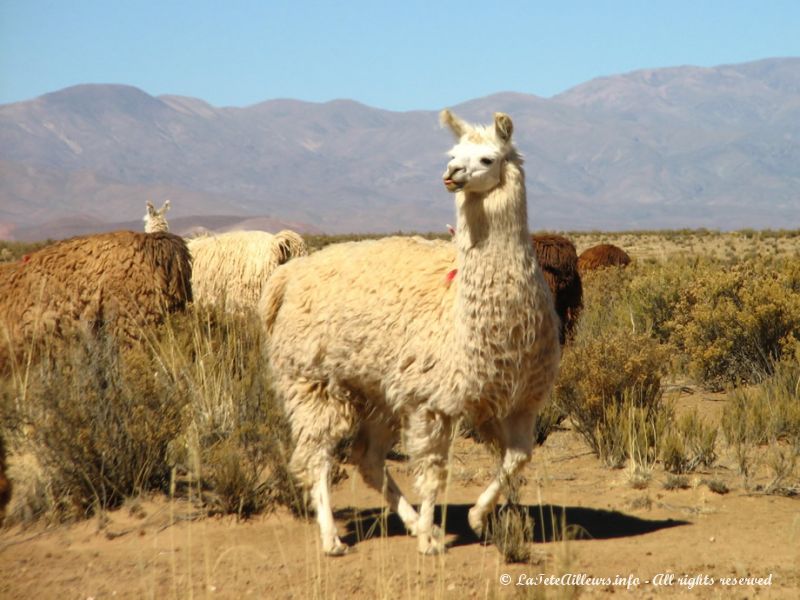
(364, 339)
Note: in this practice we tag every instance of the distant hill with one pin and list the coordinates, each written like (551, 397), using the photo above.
(677, 147)
(184, 226)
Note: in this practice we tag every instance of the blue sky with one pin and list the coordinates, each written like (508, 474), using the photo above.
(399, 55)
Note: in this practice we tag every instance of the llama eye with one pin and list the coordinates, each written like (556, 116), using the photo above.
(486, 161)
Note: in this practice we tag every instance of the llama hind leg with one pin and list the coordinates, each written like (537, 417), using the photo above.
(430, 435)
(319, 420)
(321, 499)
(377, 439)
(516, 437)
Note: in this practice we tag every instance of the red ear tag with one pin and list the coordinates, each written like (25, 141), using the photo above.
(450, 276)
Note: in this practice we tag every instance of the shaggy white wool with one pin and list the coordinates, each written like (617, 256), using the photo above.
(375, 335)
(231, 268)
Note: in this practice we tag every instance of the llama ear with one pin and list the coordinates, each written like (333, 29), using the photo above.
(165, 208)
(503, 126)
(151, 210)
(456, 125)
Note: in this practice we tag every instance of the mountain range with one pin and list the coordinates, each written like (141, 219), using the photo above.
(715, 147)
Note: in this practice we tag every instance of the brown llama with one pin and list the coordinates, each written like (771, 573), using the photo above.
(559, 262)
(120, 282)
(602, 255)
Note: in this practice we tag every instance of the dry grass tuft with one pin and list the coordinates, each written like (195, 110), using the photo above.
(190, 409)
(511, 530)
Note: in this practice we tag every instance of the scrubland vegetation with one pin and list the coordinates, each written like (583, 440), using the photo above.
(701, 321)
(189, 412)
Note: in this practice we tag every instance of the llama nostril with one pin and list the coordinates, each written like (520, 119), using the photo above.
(452, 171)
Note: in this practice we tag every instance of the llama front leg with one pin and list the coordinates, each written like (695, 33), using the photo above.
(516, 437)
(430, 539)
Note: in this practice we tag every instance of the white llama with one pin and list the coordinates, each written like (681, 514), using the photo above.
(230, 269)
(379, 335)
(156, 220)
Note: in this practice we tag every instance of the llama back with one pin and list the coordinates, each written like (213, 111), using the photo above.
(393, 330)
(342, 300)
(121, 280)
(601, 256)
(231, 268)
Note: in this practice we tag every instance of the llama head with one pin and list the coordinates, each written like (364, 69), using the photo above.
(477, 160)
(154, 220)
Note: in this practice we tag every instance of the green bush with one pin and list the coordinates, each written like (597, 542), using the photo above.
(734, 324)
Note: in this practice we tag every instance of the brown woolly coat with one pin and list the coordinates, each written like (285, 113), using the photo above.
(559, 262)
(121, 281)
(602, 255)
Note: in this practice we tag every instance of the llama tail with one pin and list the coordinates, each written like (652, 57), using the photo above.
(272, 297)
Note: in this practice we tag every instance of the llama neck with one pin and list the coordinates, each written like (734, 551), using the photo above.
(497, 278)
(494, 226)
(156, 226)
(498, 298)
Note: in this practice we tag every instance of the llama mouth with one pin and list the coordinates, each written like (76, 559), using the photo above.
(453, 185)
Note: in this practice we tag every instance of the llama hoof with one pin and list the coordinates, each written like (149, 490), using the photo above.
(436, 531)
(476, 521)
(433, 547)
(338, 549)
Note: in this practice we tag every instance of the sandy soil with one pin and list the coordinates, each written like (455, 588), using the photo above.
(634, 538)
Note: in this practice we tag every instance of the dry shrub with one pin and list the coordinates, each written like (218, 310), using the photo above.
(237, 439)
(606, 294)
(511, 529)
(767, 417)
(767, 413)
(631, 428)
(610, 377)
(654, 293)
(547, 420)
(97, 420)
(734, 324)
(192, 406)
(600, 370)
(677, 482)
(688, 444)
